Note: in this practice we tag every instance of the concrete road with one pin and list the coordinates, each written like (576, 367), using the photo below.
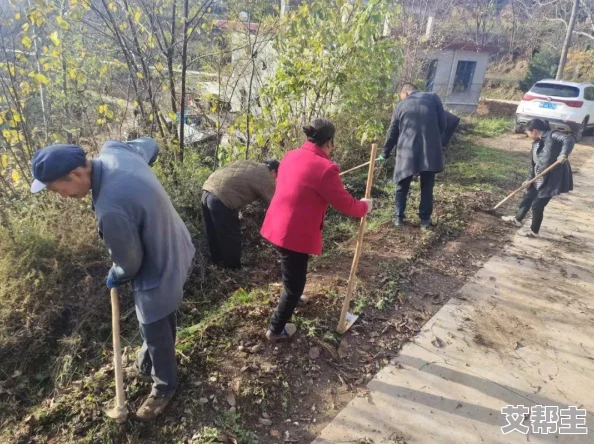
(521, 332)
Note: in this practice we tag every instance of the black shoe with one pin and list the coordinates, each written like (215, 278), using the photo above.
(425, 224)
(398, 222)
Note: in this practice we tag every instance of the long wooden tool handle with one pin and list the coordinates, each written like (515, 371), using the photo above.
(355, 168)
(117, 349)
(527, 184)
(351, 285)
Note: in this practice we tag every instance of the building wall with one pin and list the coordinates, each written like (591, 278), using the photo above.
(443, 83)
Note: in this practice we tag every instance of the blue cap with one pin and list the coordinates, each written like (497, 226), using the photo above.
(54, 162)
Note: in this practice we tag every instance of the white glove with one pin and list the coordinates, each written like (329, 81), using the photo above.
(369, 203)
(562, 159)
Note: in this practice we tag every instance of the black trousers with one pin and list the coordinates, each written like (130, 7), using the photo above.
(223, 231)
(426, 205)
(157, 355)
(538, 204)
(294, 270)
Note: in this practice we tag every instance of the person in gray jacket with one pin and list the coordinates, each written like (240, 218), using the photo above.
(418, 123)
(149, 244)
(548, 147)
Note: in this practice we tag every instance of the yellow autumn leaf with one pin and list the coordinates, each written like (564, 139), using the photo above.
(46, 66)
(112, 6)
(17, 16)
(109, 113)
(139, 75)
(135, 104)
(151, 41)
(137, 16)
(80, 77)
(6, 135)
(26, 41)
(54, 38)
(15, 176)
(172, 115)
(72, 74)
(104, 69)
(25, 89)
(25, 27)
(16, 116)
(41, 78)
(11, 70)
(159, 67)
(4, 160)
(164, 88)
(62, 23)
(102, 109)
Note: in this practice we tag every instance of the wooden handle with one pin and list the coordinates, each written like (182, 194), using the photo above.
(117, 349)
(355, 264)
(527, 184)
(355, 168)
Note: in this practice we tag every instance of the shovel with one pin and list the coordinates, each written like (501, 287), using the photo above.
(120, 411)
(348, 319)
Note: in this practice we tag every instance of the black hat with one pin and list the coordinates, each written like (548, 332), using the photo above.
(272, 164)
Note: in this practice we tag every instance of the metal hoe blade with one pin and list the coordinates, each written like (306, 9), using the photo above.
(348, 323)
(118, 413)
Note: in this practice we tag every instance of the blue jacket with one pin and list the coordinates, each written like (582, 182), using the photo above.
(148, 242)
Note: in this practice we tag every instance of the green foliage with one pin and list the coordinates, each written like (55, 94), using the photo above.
(183, 182)
(333, 62)
(542, 66)
(489, 126)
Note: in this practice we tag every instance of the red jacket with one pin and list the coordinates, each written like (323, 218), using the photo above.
(308, 181)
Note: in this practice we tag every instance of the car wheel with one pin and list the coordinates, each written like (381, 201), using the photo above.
(579, 133)
(519, 129)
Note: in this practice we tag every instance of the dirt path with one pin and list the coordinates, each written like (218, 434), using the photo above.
(519, 332)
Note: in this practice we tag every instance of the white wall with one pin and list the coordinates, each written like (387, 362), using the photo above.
(443, 83)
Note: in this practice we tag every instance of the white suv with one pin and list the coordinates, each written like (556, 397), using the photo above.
(567, 106)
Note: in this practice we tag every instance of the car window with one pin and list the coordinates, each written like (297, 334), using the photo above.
(555, 89)
(589, 93)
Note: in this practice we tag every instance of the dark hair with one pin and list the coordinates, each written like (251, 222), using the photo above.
(409, 88)
(272, 164)
(319, 131)
(538, 124)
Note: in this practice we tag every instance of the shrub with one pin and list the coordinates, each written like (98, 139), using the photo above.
(542, 66)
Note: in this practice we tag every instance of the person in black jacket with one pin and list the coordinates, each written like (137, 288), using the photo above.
(547, 148)
(418, 123)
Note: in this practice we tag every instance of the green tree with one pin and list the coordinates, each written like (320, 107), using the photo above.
(542, 66)
(333, 61)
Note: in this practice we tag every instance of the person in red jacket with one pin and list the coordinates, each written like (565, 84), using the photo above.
(308, 181)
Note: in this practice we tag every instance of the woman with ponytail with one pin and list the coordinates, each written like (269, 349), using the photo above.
(308, 181)
(547, 148)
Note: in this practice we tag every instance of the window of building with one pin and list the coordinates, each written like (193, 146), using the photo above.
(464, 76)
(431, 71)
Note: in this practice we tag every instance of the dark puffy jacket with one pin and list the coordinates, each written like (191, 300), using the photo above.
(560, 179)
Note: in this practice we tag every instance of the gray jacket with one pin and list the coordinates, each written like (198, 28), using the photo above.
(148, 242)
(416, 128)
(547, 150)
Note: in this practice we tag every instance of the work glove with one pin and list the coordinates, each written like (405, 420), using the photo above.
(369, 203)
(562, 158)
(381, 159)
(112, 280)
(525, 183)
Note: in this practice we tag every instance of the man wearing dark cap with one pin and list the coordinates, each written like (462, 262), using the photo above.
(224, 193)
(149, 245)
